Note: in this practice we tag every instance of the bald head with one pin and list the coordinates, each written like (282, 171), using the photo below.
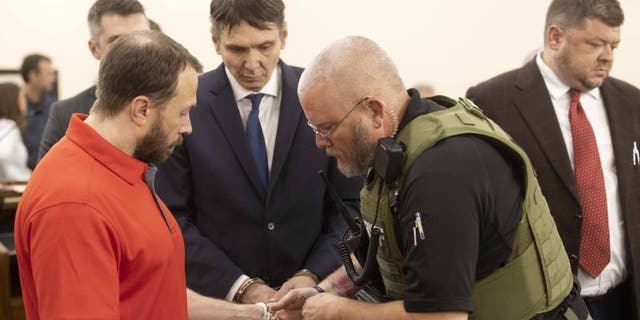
(352, 96)
(351, 68)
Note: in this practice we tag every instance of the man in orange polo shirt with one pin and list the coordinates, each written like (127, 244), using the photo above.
(93, 240)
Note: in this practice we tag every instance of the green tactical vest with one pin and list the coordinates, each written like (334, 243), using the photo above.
(537, 276)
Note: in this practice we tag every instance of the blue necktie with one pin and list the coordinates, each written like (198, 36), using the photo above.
(256, 140)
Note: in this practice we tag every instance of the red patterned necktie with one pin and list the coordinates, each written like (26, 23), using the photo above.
(594, 244)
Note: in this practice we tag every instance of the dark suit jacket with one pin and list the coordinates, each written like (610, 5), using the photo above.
(519, 102)
(230, 225)
(59, 117)
(36, 119)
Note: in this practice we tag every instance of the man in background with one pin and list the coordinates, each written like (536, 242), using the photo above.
(581, 129)
(245, 186)
(93, 240)
(38, 75)
(108, 19)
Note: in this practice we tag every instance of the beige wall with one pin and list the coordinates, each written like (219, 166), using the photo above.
(451, 44)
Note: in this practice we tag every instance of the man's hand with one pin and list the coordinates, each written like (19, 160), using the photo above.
(319, 306)
(205, 308)
(257, 292)
(322, 306)
(295, 282)
(288, 315)
(294, 299)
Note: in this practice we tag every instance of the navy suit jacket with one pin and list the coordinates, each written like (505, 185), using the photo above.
(37, 115)
(519, 102)
(230, 225)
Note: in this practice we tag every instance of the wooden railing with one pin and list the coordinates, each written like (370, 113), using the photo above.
(11, 304)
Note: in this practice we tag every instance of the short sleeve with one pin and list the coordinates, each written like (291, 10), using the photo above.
(73, 252)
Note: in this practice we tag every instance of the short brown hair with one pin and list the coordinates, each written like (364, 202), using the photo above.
(141, 63)
(102, 7)
(257, 13)
(31, 63)
(572, 13)
(9, 108)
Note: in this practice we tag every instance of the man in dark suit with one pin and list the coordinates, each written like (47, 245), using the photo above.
(581, 129)
(107, 20)
(39, 76)
(245, 186)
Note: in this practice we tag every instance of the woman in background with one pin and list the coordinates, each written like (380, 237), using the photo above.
(13, 153)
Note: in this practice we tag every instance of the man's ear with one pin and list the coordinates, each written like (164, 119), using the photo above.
(140, 110)
(93, 47)
(31, 76)
(555, 36)
(216, 42)
(284, 32)
(375, 109)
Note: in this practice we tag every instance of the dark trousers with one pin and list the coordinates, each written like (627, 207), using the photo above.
(613, 305)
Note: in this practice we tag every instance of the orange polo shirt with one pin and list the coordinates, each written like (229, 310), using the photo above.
(91, 241)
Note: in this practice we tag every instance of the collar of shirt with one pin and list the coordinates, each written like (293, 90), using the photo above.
(271, 88)
(269, 113)
(414, 109)
(121, 164)
(555, 86)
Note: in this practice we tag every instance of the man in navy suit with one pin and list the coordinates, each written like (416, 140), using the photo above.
(245, 186)
(534, 104)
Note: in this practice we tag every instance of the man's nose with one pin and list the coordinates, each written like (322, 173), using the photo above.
(186, 128)
(253, 60)
(606, 54)
(322, 143)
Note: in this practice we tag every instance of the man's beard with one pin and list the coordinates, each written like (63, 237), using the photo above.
(153, 148)
(361, 158)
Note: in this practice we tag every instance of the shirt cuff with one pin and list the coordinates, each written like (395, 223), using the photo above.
(234, 288)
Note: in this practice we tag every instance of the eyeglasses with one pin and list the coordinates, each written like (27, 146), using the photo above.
(325, 135)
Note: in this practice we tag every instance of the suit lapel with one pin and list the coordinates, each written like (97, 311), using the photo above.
(225, 111)
(536, 107)
(290, 114)
(616, 104)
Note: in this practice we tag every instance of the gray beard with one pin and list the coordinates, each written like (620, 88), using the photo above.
(362, 155)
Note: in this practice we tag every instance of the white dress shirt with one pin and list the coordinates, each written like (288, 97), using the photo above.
(269, 115)
(616, 271)
(13, 153)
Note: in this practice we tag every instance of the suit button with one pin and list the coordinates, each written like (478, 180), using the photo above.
(578, 217)
(271, 226)
(573, 256)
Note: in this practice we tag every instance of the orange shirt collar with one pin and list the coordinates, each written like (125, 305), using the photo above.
(123, 165)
